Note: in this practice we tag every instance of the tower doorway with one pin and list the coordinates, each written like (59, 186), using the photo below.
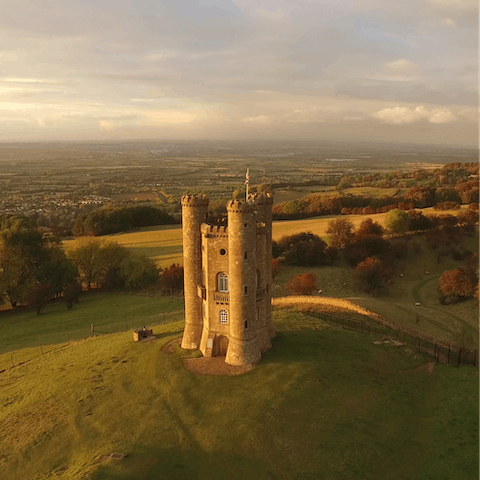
(220, 346)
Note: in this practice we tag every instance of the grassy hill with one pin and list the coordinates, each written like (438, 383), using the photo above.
(323, 403)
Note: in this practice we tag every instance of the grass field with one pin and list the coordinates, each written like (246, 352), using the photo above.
(323, 403)
(23, 331)
(164, 243)
(454, 323)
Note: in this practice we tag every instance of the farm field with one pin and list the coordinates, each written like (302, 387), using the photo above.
(287, 195)
(164, 243)
(342, 407)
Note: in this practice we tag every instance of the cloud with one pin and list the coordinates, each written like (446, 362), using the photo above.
(279, 14)
(258, 119)
(448, 22)
(107, 125)
(402, 65)
(404, 115)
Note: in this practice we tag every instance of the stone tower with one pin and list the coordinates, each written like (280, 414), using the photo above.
(228, 279)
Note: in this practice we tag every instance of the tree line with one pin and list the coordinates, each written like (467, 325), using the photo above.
(35, 269)
(373, 255)
(105, 221)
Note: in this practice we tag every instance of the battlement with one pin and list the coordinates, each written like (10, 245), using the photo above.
(261, 198)
(214, 230)
(195, 201)
(239, 206)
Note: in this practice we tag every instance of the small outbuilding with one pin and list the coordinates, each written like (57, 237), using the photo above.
(142, 334)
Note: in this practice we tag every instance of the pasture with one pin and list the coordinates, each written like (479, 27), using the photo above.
(323, 403)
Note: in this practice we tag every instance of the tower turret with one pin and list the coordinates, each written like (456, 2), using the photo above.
(194, 213)
(243, 348)
(263, 203)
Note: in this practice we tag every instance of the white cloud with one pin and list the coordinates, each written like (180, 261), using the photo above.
(404, 115)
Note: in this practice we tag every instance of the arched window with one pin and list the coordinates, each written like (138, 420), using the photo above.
(222, 282)
(223, 316)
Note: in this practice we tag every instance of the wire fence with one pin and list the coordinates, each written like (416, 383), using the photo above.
(56, 341)
(441, 351)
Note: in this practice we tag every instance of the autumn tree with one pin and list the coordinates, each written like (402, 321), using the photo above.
(369, 227)
(457, 284)
(341, 232)
(303, 284)
(372, 276)
(276, 267)
(172, 278)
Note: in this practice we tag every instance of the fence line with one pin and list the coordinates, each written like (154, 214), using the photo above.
(52, 342)
(441, 351)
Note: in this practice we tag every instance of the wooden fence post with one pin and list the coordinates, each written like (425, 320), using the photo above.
(448, 359)
(41, 348)
(475, 358)
(459, 355)
(92, 329)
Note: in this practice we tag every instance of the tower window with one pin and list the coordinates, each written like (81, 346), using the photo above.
(222, 282)
(245, 255)
(245, 290)
(223, 251)
(223, 316)
(246, 324)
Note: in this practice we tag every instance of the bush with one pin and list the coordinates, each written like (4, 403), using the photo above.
(172, 278)
(304, 249)
(372, 276)
(303, 284)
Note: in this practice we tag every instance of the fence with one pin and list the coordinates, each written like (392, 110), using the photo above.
(56, 341)
(441, 351)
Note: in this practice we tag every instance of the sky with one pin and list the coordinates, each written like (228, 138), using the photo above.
(371, 70)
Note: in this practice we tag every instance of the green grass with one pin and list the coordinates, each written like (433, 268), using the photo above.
(456, 323)
(109, 312)
(322, 404)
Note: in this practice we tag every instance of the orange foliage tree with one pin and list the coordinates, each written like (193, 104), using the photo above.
(303, 284)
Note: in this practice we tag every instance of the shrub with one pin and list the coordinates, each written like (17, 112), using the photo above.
(372, 276)
(276, 267)
(303, 249)
(303, 284)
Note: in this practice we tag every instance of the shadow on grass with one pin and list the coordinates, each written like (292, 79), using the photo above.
(152, 463)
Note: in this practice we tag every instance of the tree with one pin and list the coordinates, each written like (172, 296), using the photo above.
(71, 292)
(303, 249)
(341, 232)
(139, 271)
(276, 267)
(172, 278)
(397, 221)
(372, 276)
(459, 283)
(37, 296)
(369, 227)
(303, 284)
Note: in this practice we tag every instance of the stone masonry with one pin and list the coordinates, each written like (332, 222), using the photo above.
(228, 279)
